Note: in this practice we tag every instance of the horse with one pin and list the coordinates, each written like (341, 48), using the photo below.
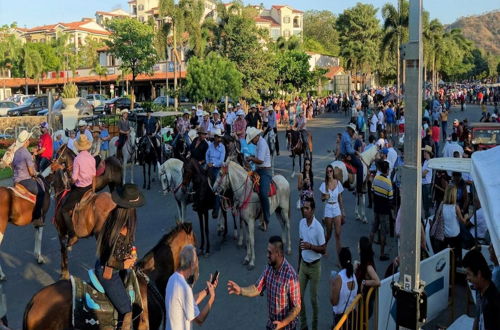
(148, 153)
(181, 149)
(203, 198)
(247, 202)
(18, 211)
(111, 177)
(349, 180)
(170, 175)
(90, 221)
(298, 147)
(270, 138)
(51, 307)
(129, 153)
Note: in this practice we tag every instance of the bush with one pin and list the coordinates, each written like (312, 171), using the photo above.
(70, 91)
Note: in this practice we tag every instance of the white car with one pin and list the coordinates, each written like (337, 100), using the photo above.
(6, 106)
(96, 99)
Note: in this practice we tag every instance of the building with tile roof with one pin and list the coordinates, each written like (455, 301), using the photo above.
(281, 21)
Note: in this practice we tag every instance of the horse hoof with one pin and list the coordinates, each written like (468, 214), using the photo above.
(250, 267)
(245, 262)
(40, 260)
(293, 175)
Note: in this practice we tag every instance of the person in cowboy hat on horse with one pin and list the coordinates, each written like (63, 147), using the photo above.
(124, 131)
(215, 156)
(116, 252)
(25, 173)
(262, 159)
(83, 177)
(351, 155)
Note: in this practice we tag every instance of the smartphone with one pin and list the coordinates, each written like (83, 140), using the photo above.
(215, 276)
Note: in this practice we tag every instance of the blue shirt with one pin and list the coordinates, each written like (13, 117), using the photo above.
(150, 124)
(389, 116)
(271, 120)
(215, 154)
(56, 145)
(104, 144)
(346, 144)
(89, 135)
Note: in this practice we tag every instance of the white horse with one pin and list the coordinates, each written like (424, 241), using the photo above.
(271, 142)
(129, 153)
(349, 180)
(171, 178)
(247, 202)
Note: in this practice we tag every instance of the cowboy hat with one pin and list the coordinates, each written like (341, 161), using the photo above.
(186, 112)
(124, 111)
(217, 132)
(82, 143)
(252, 132)
(96, 129)
(269, 108)
(352, 126)
(23, 137)
(200, 105)
(205, 114)
(193, 108)
(230, 106)
(82, 123)
(240, 113)
(128, 196)
(428, 149)
(215, 112)
(202, 130)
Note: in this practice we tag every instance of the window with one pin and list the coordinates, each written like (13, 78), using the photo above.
(286, 19)
(296, 22)
(141, 18)
(141, 7)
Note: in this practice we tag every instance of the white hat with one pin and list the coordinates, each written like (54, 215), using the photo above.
(238, 105)
(252, 132)
(215, 112)
(230, 106)
(124, 111)
(269, 108)
(82, 123)
(193, 108)
(205, 113)
(217, 132)
(23, 137)
(186, 112)
(199, 112)
(240, 113)
(352, 126)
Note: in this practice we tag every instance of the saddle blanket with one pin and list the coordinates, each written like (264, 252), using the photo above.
(23, 193)
(92, 308)
(350, 168)
(256, 184)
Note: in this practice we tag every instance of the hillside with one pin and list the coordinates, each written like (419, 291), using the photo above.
(484, 30)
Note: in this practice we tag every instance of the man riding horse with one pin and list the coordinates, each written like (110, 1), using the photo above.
(300, 126)
(272, 125)
(124, 131)
(84, 179)
(351, 155)
(183, 125)
(215, 156)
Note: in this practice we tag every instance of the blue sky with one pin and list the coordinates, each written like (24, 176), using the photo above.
(31, 13)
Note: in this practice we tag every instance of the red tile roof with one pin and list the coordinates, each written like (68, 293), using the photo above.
(152, 10)
(70, 26)
(266, 19)
(333, 71)
(278, 7)
(132, 1)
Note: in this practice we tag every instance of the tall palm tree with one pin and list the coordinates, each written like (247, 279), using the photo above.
(434, 48)
(9, 50)
(32, 65)
(101, 71)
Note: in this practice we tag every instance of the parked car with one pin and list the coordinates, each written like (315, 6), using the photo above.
(84, 108)
(19, 98)
(119, 103)
(162, 100)
(30, 107)
(96, 99)
(6, 106)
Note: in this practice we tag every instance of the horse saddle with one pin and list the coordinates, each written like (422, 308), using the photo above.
(256, 184)
(20, 191)
(350, 168)
(101, 167)
(91, 307)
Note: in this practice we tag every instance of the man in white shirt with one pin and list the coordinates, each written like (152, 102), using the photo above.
(380, 119)
(312, 248)
(230, 117)
(392, 157)
(427, 182)
(181, 305)
(373, 124)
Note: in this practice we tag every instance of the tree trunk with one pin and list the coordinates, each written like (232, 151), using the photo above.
(100, 89)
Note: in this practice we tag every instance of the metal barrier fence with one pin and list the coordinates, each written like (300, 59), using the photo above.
(357, 314)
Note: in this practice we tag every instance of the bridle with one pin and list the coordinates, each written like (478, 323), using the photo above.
(244, 203)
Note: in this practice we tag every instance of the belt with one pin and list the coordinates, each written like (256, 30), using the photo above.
(331, 203)
(311, 263)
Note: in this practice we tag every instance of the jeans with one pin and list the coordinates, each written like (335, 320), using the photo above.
(114, 289)
(265, 182)
(356, 162)
(427, 199)
(309, 274)
(444, 124)
(44, 163)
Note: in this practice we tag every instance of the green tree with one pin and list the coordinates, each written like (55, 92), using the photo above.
(212, 78)
(89, 52)
(293, 70)
(101, 71)
(32, 64)
(132, 42)
(319, 28)
(10, 47)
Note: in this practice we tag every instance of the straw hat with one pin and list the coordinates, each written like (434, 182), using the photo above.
(96, 129)
(202, 130)
(23, 137)
(352, 126)
(82, 143)
(252, 132)
(215, 112)
(82, 123)
(217, 132)
(124, 111)
(428, 149)
(205, 114)
(240, 113)
(128, 196)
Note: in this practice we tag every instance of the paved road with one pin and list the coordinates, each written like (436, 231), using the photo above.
(25, 277)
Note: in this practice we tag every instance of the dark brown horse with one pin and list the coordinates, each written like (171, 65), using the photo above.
(51, 307)
(19, 211)
(299, 147)
(111, 177)
(89, 222)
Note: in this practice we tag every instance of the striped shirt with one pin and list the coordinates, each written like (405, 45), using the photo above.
(382, 194)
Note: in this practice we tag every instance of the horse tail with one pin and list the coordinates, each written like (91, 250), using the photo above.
(26, 311)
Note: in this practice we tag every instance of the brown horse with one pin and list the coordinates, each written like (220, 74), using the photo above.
(111, 177)
(51, 307)
(19, 211)
(90, 221)
(298, 147)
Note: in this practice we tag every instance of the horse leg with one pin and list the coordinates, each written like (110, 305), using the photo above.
(251, 245)
(3, 226)
(64, 258)
(285, 229)
(179, 210)
(293, 165)
(132, 163)
(149, 176)
(362, 204)
(356, 207)
(124, 170)
(207, 230)
(202, 231)
(235, 231)
(38, 245)
(144, 176)
(240, 237)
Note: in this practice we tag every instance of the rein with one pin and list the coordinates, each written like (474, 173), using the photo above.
(155, 293)
(246, 200)
(59, 201)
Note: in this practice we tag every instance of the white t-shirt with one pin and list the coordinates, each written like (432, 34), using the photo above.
(482, 228)
(373, 124)
(179, 304)
(427, 179)
(380, 117)
(313, 234)
(262, 153)
(392, 157)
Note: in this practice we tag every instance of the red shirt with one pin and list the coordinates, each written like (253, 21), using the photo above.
(46, 142)
(435, 133)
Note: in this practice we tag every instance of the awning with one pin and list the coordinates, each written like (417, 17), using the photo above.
(462, 165)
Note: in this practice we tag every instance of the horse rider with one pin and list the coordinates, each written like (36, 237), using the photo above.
(83, 129)
(193, 121)
(183, 125)
(253, 117)
(206, 123)
(199, 113)
(124, 131)
(45, 148)
(217, 123)
(115, 250)
(199, 146)
(25, 173)
(262, 159)
(230, 118)
(214, 158)
(272, 125)
(300, 125)
(351, 155)
(239, 125)
(83, 177)
(150, 126)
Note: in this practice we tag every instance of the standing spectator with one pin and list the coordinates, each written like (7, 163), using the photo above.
(426, 182)
(239, 126)
(253, 118)
(435, 135)
(444, 123)
(390, 119)
(283, 289)
(380, 120)
(230, 117)
(344, 286)
(462, 198)
(451, 147)
(305, 182)
(366, 274)
(373, 124)
(57, 144)
(181, 305)
(488, 297)
(105, 138)
(427, 140)
(312, 247)
(45, 148)
(382, 200)
(95, 150)
(334, 216)
(71, 141)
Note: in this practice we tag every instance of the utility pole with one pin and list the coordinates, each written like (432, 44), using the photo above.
(410, 298)
(175, 65)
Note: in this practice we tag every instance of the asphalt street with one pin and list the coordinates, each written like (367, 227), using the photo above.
(25, 276)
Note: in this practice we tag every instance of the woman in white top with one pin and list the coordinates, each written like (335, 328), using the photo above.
(331, 193)
(451, 217)
(344, 286)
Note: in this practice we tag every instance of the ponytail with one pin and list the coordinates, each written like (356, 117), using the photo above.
(345, 261)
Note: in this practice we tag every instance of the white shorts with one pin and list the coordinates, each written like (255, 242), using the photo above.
(332, 210)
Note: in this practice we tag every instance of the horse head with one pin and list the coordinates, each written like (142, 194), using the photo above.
(221, 183)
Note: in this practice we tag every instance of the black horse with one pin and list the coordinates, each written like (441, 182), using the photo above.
(149, 153)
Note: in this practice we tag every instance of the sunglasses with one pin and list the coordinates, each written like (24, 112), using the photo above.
(307, 164)
(329, 170)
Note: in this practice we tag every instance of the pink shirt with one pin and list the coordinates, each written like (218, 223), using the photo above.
(83, 169)
(240, 125)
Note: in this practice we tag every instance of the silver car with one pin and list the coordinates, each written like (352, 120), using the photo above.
(96, 99)
(6, 106)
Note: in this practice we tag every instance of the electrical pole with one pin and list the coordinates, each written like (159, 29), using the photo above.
(409, 294)
(175, 65)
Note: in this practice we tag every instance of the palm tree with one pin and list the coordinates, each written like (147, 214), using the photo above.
(32, 64)
(100, 70)
(9, 50)
(433, 48)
